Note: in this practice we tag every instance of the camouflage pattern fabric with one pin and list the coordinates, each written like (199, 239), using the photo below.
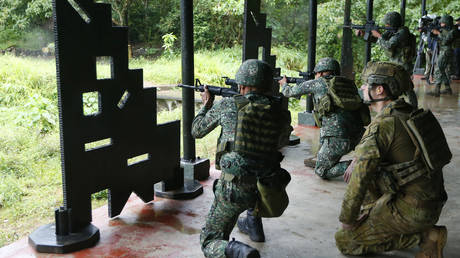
(330, 152)
(342, 124)
(238, 194)
(231, 199)
(394, 43)
(338, 131)
(394, 220)
(444, 63)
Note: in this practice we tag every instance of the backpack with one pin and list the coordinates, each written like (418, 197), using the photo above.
(342, 93)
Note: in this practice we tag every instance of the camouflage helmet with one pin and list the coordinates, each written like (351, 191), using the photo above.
(447, 19)
(394, 19)
(255, 73)
(393, 75)
(327, 64)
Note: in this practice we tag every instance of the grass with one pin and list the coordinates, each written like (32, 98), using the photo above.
(30, 171)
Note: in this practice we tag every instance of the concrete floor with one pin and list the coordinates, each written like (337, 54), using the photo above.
(169, 228)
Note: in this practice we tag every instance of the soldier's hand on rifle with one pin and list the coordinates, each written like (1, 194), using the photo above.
(283, 81)
(359, 33)
(376, 34)
(436, 32)
(207, 97)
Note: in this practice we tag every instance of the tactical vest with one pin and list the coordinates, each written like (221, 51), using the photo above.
(342, 93)
(431, 155)
(258, 128)
(257, 133)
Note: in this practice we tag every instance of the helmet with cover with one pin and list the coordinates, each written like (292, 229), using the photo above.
(395, 79)
(448, 20)
(327, 64)
(255, 73)
(393, 19)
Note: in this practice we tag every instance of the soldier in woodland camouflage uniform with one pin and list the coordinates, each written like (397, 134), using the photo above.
(401, 214)
(446, 38)
(396, 46)
(236, 190)
(340, 129)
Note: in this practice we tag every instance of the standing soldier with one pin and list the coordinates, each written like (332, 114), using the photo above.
(247, 151)
(399, 45)
(341, 126)
(401, 167)
(446, 38)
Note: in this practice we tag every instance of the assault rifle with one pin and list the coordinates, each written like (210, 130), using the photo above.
(305, 77)
(214, 90)
(368, 27)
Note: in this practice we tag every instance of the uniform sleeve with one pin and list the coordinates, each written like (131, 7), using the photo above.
(369, 154)
(446, 37)
(298, 90)
(393, 41)
(206, 120)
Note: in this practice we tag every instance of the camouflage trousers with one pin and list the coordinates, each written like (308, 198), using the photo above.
(331, 150)
(443, 68)
(391, 224)
(231, 198)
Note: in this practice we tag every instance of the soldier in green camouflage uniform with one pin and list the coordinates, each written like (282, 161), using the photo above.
(397, 217)
(340, 130)
(396, 46)
(444, 63)
(236, 190)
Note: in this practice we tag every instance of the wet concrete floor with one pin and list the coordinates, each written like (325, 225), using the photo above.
(170, 228)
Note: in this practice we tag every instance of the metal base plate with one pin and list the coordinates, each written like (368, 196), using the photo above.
(45, 240)
(293, 140)
(197, 169)
(190, 190)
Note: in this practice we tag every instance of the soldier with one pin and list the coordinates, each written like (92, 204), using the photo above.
(390, 165)
(341, 129)
(245, 153)
(456, 72)
(446, 38)
(399, 46)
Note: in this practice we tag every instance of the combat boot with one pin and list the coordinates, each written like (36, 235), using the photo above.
(236, 249)
(433, 242)
(310, 162)
(252, 226)
(436, 91)
(447, 90)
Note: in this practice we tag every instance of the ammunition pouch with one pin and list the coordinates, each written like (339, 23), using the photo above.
(273, 198)
(223, 148)
(324, 105)
(396, 175)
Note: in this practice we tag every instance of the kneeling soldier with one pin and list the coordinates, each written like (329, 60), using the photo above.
(398, 166)
(251, 125)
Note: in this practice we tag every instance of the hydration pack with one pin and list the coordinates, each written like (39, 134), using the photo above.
(427, 135)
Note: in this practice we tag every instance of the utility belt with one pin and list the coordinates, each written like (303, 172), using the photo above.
(397, 175)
